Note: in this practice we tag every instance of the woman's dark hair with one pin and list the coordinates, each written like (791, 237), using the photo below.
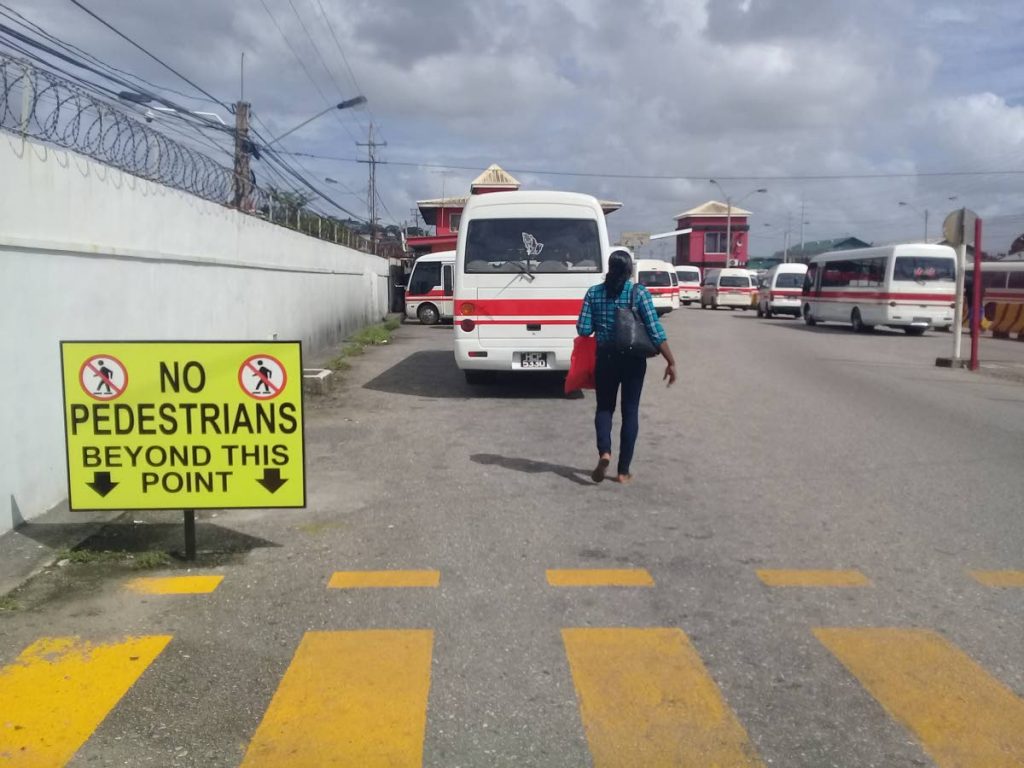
(620, 267)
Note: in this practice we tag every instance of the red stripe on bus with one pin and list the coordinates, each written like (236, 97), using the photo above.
(522, 307)
(881, 295)
(523, 322)
(438, 294)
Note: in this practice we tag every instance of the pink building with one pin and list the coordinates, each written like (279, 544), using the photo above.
(706, 245)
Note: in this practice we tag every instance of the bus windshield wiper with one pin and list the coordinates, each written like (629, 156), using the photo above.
(523, 269)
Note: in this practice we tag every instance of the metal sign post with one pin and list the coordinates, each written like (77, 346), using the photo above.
(958, 229)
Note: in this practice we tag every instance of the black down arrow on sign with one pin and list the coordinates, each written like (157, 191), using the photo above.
(101, 483)
(272, 479)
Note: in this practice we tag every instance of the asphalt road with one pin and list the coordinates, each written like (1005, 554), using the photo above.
(781, 448)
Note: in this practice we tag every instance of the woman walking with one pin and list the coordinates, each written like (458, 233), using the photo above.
(618, 369)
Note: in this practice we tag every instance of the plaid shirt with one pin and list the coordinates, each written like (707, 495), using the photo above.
(598, 313)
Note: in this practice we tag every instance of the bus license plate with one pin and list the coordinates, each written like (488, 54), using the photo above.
(534, 360)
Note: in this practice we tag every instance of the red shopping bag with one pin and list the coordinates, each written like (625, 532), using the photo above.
(582, 364)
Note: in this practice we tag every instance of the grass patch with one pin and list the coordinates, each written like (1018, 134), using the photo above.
(8, 604)
(152, 559)
(370, 336)
(140, 560)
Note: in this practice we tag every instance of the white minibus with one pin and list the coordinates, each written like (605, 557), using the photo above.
(656, 276)
(523, 262)
(780, 290)
(731, 287)
(689, 284)
(909, 286)
(429, 293)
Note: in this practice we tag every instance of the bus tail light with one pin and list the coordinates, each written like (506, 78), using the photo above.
(478, 354)
(467, 308)
(892, 303)
(467, 325)
(952, 306)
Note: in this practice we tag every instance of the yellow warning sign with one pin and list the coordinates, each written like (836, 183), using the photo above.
(183, 424)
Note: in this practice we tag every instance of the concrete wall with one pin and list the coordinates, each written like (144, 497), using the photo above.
(87, 252)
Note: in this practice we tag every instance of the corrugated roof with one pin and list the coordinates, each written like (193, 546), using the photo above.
(495, 176)
(713, 208)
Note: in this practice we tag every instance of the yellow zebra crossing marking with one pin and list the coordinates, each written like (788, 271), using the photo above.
(646, 699)
(961, 714)
(353, 699)
(174, 585)
(383, 579)
(599, 577)
(60, 689)
(812, 578)
(999, 578)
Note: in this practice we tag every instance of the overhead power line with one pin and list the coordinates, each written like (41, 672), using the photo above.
(676, 177)
(159, 61)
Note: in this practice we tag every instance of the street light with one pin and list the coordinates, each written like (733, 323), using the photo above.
(353, 102)
(913, 208)
(728, 216)
(142, 100)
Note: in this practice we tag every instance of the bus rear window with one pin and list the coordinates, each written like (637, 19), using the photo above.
(688, 277)
(924, 269)
(789, 280)
(655, 279)
(532, 245)
(734, 281)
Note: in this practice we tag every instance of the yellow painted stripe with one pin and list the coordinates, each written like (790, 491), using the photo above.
(374, 579)
(999, 578)
(59, 690)
(600, 577)
(646, 699)
(810, 578)
(175, 585)
(961, 714)
(355, 699)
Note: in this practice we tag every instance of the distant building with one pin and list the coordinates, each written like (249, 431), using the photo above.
(445, 213)
(805, 252)
(706, 245)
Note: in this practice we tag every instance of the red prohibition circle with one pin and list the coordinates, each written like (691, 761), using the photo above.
(81, 373)
(247, 364)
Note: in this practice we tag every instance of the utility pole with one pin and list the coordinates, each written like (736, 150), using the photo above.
(802, 222)
(243, 175)
(415, 217)
(785, 248)
(372, 160)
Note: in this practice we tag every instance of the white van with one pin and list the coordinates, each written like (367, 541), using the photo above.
(727, 288)
(689, 284)
(523, 262)
(656, 276)
(429, 292)
(780, 291)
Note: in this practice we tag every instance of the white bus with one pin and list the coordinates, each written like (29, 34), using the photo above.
(657, 277)
(523, 262)
(912, 287)
(780, 292)
(689, 284)
(429, 293)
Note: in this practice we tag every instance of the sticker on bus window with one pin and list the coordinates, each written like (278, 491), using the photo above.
(533, 248)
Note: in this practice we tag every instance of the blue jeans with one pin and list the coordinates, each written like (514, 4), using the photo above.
(615, 370)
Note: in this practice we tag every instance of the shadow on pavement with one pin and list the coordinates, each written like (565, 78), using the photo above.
(433, 373)
(578, 476)
(800, 325)
(128, 536)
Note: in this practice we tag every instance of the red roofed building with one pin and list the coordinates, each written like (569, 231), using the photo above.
(706, 245)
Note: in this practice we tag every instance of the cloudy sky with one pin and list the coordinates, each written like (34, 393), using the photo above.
(639, 101)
